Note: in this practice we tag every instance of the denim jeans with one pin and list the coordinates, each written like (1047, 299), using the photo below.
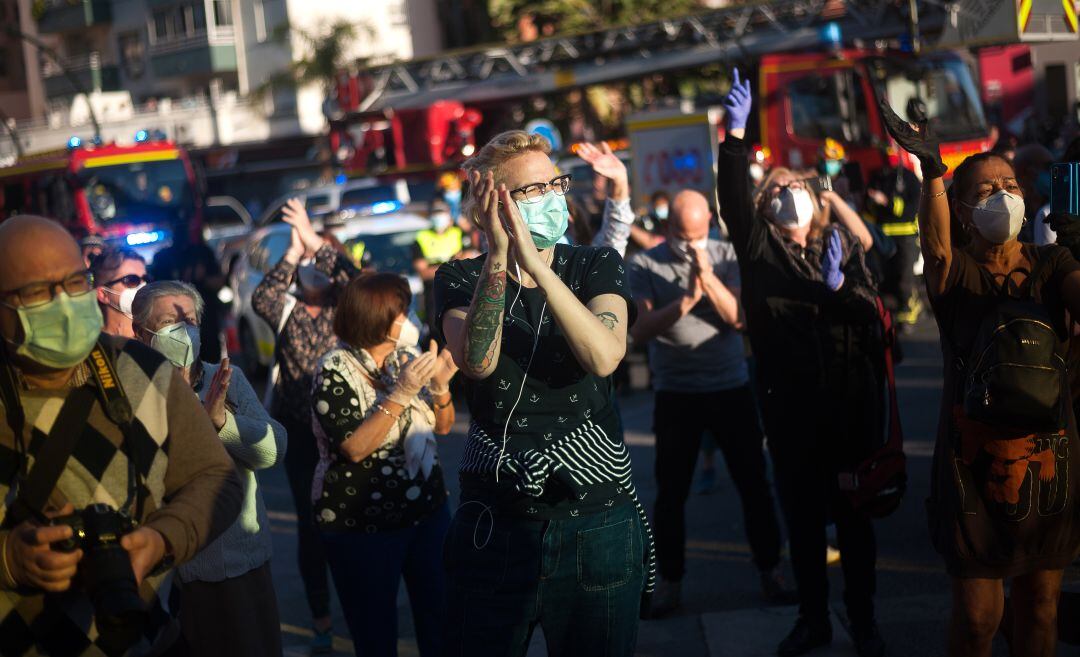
(367, 571)
(579, 578)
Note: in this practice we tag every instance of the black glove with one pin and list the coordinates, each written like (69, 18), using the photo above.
(1067, 227)
(922, 144)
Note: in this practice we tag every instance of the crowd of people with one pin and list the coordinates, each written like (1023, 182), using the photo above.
(132, 518)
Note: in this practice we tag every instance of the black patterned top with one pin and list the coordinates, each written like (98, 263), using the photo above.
(397, 485)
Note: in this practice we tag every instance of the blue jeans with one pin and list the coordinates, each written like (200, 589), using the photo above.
(580, 579)
(367, 571)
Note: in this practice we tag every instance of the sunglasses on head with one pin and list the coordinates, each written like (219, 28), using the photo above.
(131, 281)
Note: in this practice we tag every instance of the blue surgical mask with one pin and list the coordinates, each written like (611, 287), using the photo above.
(832, 168)
(546, 219)
(451, 195)
(661, 212)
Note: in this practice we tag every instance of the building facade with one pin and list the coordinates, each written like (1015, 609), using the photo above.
(194, 69)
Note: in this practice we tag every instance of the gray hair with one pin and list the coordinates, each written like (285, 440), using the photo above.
(143, 303)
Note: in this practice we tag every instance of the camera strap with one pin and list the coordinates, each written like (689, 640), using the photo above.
(52, 456)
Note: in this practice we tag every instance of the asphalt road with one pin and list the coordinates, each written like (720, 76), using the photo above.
(722, 613)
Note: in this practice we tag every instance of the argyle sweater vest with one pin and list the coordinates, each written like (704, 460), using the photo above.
(34, 623)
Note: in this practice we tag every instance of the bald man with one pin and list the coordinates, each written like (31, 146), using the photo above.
(56, 371)
(687, 291)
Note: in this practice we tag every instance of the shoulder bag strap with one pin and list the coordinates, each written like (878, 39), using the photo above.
(896, 432)
(52, 457)
(275, 370)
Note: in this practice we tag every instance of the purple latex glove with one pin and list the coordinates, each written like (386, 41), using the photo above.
(737, 103)
(830, 262)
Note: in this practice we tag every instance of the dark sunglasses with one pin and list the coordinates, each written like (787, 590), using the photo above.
(129, 281)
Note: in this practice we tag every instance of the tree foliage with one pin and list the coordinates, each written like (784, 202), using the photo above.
(583, 15)
(323, 52)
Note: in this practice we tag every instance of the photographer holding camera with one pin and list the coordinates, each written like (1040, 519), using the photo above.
(110, 472)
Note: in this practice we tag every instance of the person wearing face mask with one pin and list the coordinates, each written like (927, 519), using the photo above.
(686, 290)
(380, 501)
(317, 273)
(81, 400)
(441, 243)
(811, 316)
(537, 328)
(450, 191)
(118, 274)
(1003, 487)
(227, 601)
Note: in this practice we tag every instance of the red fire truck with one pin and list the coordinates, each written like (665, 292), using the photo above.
(804, 98)
(138, 194)
(399, 141)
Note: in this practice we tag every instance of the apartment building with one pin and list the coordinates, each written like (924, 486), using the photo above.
(190, 67)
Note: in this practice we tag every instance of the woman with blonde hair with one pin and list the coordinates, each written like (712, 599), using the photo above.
(549, 531)
(811, 315)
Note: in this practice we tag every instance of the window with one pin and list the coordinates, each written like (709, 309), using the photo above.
(161, 24)
(198, 12)
(829, 105)
(223, 12)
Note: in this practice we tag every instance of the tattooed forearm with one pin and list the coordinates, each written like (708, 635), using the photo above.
(608, 319)
(483, 329)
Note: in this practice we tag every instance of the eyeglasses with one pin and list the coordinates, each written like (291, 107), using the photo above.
(533, 192)
(130, 281)
(41, 293)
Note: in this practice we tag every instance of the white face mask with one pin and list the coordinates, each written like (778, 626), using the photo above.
(441, 221)
(683, 248)
(178, 342)
(123, 303)
(998, 217)
(408, 336)
(791, 208)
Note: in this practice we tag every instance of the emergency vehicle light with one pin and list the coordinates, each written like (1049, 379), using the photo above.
(830, 34)
(73, 143)
(383, 207)
(142, 136)
(147, 237)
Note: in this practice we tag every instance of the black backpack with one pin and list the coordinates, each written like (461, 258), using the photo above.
(1016, 376)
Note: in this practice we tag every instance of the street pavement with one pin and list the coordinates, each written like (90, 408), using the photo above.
(723, 614)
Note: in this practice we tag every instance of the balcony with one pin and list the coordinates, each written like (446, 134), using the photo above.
(205, 53)
(87, 71)
(67, 15)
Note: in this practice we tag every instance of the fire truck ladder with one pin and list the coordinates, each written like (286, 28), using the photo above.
(726, 34)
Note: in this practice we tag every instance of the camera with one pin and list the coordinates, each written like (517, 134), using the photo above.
(105, 570)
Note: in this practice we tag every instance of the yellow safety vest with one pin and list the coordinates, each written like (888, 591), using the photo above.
(437, 248)
(356, 252)
(896, 228)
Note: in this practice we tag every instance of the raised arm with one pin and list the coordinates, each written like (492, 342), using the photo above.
(596, 330)
(732, 179)
(848, 217)
(934, 215)
(475, 337)
(618, 216)
(268, 299)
